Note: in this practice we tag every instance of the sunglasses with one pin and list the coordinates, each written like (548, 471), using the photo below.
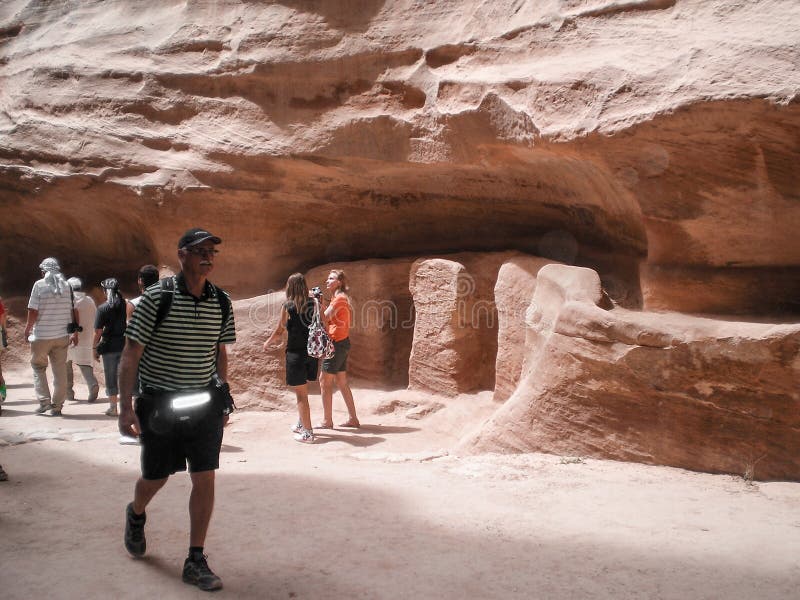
(204, 252)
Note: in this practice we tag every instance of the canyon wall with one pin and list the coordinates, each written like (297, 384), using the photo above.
(423, 145)
(641, 136)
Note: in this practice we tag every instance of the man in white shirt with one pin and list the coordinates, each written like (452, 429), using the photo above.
(50, 312)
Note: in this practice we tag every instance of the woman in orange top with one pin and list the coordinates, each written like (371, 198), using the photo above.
(337, 317)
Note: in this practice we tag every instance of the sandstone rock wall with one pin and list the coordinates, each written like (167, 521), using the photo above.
(439, 336)
(383, 319)
(650, 142)
(593, 132)
(659, 388)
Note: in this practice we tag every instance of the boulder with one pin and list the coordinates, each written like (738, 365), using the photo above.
(455, 332)
(513, 293)
(659, 388)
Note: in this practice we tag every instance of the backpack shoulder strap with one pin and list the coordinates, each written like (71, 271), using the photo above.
(168, 293)
(164, 300)
(224, 306)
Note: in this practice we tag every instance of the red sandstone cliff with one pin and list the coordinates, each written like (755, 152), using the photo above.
(652, 141)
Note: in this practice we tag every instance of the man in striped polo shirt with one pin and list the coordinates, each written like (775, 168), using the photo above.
(50, 311)
(176, 359)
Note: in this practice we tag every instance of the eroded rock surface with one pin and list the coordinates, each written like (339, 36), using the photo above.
(661, 388)
(592, 132)
(651, 145)
(513, 291)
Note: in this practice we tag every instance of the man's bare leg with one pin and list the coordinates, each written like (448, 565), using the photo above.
(201, 505)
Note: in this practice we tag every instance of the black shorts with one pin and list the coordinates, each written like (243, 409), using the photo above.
(338, 363)
(300, 368)
(167, 448)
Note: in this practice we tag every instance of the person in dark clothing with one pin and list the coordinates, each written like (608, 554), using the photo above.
(148, 275)
(296, 316)
(109, 338)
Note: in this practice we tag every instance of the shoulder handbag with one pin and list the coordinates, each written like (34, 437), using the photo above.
(320, 344)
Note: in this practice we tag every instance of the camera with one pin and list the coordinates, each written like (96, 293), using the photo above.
(74, 328)
(316, 292)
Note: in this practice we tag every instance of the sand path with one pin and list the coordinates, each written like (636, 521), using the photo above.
(385, 512)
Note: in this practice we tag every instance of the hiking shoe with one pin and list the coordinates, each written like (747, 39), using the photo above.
(196, 572)
(135, 543)
(304, 436)
(297, 427)
(43, 408)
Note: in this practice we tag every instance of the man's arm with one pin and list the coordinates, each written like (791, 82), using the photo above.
(128, 370)
(33, 314)
(222, 362)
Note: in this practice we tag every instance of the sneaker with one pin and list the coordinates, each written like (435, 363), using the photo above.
(196, 572)
(297, 427)
(43, 408)
(112, 411)
(304, 436)
(135, 543)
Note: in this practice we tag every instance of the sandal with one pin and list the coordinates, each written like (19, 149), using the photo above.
(354, 423)
(305, 436)
(323, 425)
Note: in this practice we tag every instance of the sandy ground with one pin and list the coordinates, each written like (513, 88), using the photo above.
(384, 512)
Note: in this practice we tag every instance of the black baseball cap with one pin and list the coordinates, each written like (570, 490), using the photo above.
(196, 235)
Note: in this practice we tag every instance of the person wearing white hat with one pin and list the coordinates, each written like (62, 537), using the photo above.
(51, 319)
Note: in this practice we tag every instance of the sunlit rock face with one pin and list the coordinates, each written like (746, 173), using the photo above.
(653, 142)
(615, 135)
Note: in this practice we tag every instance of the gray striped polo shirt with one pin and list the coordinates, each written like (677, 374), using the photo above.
(181, 354)
(55, 311)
